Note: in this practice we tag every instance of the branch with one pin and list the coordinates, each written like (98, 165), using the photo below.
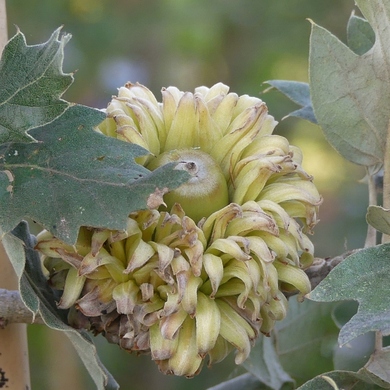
(321, 267)
(3, 25)
(13, 310)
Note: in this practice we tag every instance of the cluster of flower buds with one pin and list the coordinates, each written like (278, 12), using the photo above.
(204, 273)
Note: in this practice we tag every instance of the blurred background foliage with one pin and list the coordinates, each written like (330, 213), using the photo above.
(188, 43)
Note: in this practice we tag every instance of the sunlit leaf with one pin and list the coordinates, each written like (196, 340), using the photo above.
(32, 82)
(75, 176)
(351, 93)
(38, 297)
(365, 277)
(379, 218)
(299, 93)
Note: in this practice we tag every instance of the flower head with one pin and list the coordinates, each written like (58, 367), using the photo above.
(205, 274)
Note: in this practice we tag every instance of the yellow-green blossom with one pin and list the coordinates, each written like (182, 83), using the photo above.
(206, 275)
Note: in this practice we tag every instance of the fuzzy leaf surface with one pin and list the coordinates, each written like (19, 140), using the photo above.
(299, 93)
(32, 82)
(379, 218)
(74, 176)
(305, 339)
(363, 277)
(351, 93)
(38, 297)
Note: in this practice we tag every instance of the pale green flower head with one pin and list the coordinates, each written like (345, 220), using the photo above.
(205, 273)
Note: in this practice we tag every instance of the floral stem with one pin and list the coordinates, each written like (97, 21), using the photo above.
(14, 363)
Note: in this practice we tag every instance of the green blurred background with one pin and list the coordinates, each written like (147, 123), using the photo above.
(188, 43)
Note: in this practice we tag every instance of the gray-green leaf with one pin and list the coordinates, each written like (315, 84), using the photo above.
(360, 35)
(379, 218)
(364, 277)
(377, 368)
(305, 339)
(299, 93)
(32, 82)
(345, 380)
(75, 176)
(242, 382)
(351, 93)
(264, 364)
(38, 297)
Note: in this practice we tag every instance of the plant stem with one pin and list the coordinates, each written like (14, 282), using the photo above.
(13, 310)
(386, 180)
(372, 201)
(3, 25)
(378, 341)
(14, 362)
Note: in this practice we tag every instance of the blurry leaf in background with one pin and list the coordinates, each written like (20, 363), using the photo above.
(379, 218)
(242, 382)
(299, 93)
(356, 353)
(341, 83)
(344, 380)
(305, 339)
(76, 177)
(360, 35)
(38, 297)
(364, 277)
(302, 347)
(32, 82)
(377, 367)
(263, 363)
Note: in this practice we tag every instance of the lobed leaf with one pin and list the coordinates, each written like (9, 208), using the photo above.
(363, 277)
(32, 82)
(299, 93)
(350, 92)
(38, 297)
(74, 176)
